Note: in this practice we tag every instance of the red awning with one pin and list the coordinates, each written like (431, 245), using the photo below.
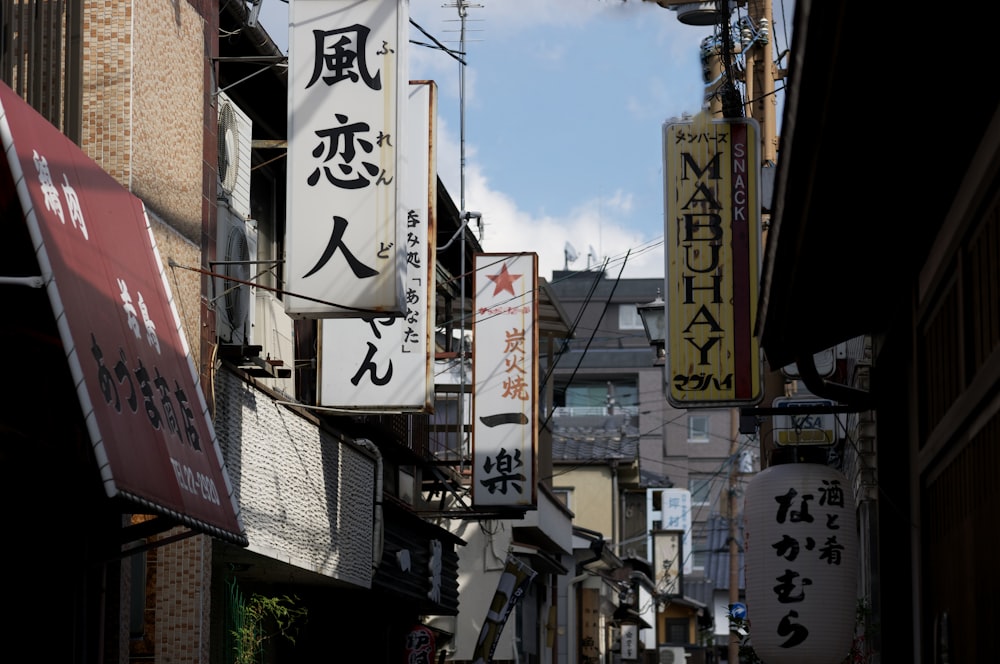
(136, 381)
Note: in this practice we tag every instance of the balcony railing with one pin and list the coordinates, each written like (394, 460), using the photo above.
(591, 411)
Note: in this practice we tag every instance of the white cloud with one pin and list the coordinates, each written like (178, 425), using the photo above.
(593, 223)
(604, 76)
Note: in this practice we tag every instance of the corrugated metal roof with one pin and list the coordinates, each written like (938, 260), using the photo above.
(717, 555)
(701, 590)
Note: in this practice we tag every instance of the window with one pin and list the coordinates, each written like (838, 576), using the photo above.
(599, 397)
(446, 436)
(701, 489)
(39, 60)
(565, 496)
(697, 428)
(585, 396)
(677, 630)
(699, 554)
(628, 317)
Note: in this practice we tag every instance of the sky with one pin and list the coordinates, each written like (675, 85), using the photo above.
(560, 119)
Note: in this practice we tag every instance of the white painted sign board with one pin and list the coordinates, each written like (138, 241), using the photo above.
(803, 427)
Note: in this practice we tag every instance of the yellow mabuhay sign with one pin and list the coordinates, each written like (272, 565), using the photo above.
(712, 231)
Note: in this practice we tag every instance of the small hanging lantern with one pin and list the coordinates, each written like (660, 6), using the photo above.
(420, 645)
(800, 564)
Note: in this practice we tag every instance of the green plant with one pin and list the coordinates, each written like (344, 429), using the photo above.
(746, 651)
(262, 618)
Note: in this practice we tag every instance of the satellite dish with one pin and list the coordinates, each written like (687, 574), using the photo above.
(592, 253)
(569, 251)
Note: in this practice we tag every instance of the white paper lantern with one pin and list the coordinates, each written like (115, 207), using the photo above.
(801, 560)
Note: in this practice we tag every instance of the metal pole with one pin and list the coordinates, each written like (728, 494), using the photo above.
(760, 105)
(462, 13)
(462, 7)
(734, 548)
(466, 453)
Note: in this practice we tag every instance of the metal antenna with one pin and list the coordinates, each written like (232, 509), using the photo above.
(462, 13)
(463, 10)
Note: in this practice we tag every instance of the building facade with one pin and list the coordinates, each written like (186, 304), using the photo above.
(918, 326)
(136, 115)
(664, 468)
(332, 529)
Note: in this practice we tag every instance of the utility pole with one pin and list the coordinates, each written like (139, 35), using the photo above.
(760, 104)
(734, 545)
(731, 108)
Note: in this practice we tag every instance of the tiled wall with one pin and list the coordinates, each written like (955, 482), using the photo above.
(143, 103)
(143, 121)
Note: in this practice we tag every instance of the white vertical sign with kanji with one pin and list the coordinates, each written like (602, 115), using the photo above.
(676, 506)
(347, 82)
(505, 380)
(382, 362)
(630, 641)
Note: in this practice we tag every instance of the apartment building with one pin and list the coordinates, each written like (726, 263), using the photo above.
(610, 411)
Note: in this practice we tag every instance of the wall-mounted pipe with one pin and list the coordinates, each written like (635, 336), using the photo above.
(821, 387)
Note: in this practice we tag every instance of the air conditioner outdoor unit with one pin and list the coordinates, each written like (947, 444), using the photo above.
(236, 253)
(672, 655)
(235, 140)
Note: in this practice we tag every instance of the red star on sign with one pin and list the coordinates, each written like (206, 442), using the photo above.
(504, 281)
